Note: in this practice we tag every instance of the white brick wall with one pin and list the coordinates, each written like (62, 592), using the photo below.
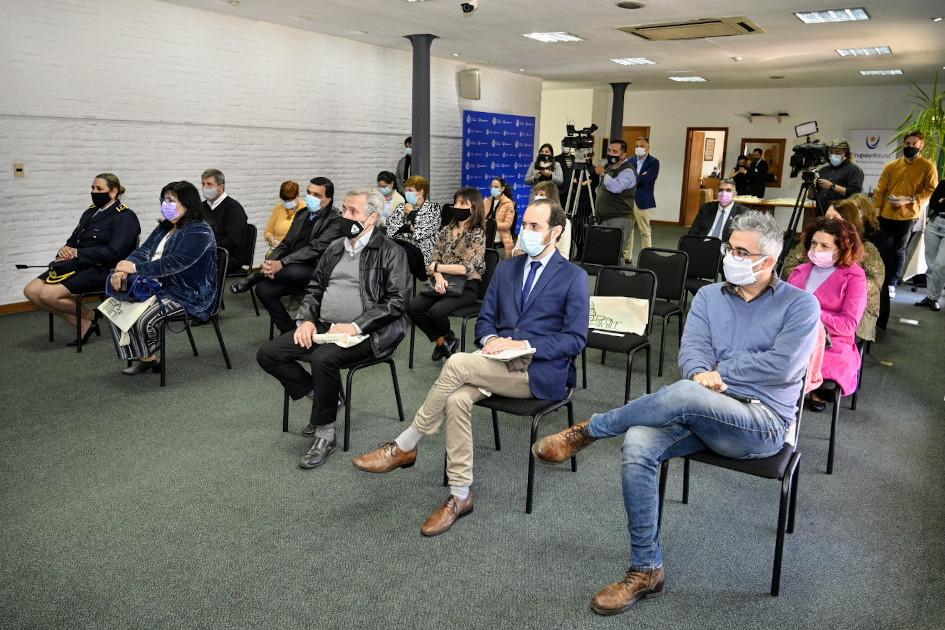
(155, 92)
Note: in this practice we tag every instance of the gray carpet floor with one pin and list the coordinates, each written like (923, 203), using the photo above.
(125, 505)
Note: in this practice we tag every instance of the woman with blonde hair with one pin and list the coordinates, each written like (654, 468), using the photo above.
(282, 214)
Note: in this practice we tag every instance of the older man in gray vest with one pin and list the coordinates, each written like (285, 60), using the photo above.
(614, 206)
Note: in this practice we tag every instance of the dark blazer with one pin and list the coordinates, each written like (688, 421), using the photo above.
(187, 270)
(105, 238)
(647, 172)
(706, 217)
(294, 248)
(554, 321)
(228, 222)
(757, 176)
(385, 289)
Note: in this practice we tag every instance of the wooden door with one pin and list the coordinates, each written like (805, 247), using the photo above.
(695, 147)
(630, 135)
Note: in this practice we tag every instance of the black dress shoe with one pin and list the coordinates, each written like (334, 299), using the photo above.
(245, 284)
(452, 346)
(93, 328)
(438, 352)
(317, 453)
(924, 302)
(816, 405)
(142, 366)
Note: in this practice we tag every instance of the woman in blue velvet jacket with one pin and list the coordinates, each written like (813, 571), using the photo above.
(180, 254)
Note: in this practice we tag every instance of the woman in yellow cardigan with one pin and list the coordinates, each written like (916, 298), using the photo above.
(282, 214)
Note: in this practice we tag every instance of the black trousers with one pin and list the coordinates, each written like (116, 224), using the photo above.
(292, 279)
(894, 258)
(280, 357)
(431, 314)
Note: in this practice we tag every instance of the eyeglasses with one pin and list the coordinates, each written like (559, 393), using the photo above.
(738, 253)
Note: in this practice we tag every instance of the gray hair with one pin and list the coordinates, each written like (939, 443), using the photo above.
(375, 200)
(215, 174)
(770, 235)
(729, 181)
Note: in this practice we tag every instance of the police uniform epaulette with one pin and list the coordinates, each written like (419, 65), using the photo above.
(91, 207)
(121, 207)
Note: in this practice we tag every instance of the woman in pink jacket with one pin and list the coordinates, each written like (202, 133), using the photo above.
(834, 276)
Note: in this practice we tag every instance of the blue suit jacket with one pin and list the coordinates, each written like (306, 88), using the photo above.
(646, 182)
(554, 321)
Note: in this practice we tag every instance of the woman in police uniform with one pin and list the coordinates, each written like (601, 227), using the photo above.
(107, 232)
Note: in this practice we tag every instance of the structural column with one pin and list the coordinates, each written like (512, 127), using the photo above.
(616, 112)
(420, 105)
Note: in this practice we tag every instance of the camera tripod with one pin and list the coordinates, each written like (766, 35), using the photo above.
(790, 235)
(580, 184)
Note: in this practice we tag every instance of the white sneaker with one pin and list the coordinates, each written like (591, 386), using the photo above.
(892, 292)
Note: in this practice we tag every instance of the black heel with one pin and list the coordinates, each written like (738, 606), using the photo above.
(93, 328)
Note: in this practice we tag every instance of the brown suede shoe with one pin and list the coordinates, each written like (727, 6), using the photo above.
(444, 516)
(561, 446)
(385, 458)
(619, 596)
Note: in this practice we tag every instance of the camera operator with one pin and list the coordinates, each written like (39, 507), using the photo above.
(616, 194)
(840, 179)
(545, 167)
(757, 174)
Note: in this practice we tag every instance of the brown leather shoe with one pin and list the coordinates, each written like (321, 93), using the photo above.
(619, 596)
(444, 516)
(385, 458)
(561, 446)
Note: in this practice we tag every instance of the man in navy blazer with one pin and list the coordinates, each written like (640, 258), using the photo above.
(648, 169)
(537, 306)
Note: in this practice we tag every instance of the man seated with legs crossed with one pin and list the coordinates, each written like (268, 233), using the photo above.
(744, 354)
(360, 286)
(538, 301)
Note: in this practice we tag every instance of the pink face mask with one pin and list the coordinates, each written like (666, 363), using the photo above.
(820, 259)
(725, 197)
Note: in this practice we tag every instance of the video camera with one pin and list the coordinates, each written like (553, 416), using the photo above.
(808, 156)
(579, 138)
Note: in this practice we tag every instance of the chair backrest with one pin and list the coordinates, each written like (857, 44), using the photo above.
(492, 261)
(629, 282)
(705, 256)
(223, 258)
(670, 267)
(602, 245)
(249, 245)
(491, 227)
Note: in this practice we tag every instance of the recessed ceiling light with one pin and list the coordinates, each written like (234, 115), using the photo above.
(631, 4)
(937, 19)
(688, 79)
(233, 3)
(521, 69)
(776, 76)
(881, 73)
(305, 18)
(412, 1)
(455, 54)
(833, 15)
(555, 37)
(633, 61)
(864, 52)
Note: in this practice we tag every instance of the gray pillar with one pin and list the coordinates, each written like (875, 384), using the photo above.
(420, 104)
(616, 112)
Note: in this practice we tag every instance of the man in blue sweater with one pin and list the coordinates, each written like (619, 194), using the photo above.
(743, 359)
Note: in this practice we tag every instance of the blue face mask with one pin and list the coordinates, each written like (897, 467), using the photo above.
(386, 191)
(533, 242)
(836, 159)
(314, 203)
(496, 192)
(411, 197)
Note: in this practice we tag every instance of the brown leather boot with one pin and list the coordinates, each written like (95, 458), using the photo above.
(444, 516)
(385, 458)
(561, 446)
(639, 583)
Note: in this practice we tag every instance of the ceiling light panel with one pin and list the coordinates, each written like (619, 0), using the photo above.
(869, 51)
(881, 73)
(833, 15)
(553, 38)
(634, 61)
(688, 79)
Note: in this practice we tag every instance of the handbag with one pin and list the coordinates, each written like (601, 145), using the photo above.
(134, 288)
(454, 286)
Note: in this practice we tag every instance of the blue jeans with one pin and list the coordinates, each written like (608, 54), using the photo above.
(677, 420)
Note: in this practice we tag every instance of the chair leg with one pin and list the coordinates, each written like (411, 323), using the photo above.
(603, 357)
(779, 542)
(216, 329)
(272, 329)
(462, 332)
(51, 326)
(446, 479)
(78, 322)
(649, 370)
(285, 411)
(679, 324)
(413, 334)
(859, 377)
(793, 506)
(664, 473)
(531, 466)
(348, 396)
(393, 377)
(626, 385)
(584, 367)
(190, 336)
(571, 424)
(834, 416)
(662, 346)
(685, 481)
(495, 430)
(163, 359)
(252, 296)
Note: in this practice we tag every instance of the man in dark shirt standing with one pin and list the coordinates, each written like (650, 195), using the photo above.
(289, 267)
(225, 215)
(839, 179)
(757, 174)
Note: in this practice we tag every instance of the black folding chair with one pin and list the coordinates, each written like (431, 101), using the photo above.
(346, 392)
(670, 267)
(705, 258)
(832, 391)
(491, 228)
(248, 253)
(222, 258)
(783, 466)
(78, 317)
(864, 347)
(625, 282)
(465, 312)
(601, 248)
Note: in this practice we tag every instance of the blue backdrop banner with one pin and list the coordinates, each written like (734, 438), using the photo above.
(498, 145)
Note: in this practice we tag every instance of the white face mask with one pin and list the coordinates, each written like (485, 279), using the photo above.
(210, 193)
(533, 243)
(742, 272)
(639, 152)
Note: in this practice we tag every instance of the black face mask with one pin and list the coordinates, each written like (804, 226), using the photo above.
(461, 214)
(351, 228)
(100, 199)
(909, 152)
(613, 159)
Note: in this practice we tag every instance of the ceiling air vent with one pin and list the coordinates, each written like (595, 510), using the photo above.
(695, 29)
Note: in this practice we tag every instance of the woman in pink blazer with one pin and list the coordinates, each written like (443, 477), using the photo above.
(834, 276)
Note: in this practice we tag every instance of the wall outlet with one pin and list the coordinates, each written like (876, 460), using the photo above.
(18, 170)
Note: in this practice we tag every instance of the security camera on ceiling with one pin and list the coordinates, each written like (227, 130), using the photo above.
(469, 7)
